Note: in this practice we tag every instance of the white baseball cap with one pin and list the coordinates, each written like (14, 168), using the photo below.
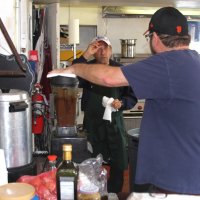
(102, 38)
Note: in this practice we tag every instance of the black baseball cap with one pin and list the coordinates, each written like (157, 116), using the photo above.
(168, 20)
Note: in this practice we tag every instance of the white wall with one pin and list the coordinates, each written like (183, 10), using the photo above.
(86, 16)
(9, 18)
(114, 28)
(16, 16)
(125, 28)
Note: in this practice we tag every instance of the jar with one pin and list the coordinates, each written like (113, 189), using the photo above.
(89, 192)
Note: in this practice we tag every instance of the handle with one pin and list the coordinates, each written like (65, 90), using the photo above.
(12, 47)
(18, 106)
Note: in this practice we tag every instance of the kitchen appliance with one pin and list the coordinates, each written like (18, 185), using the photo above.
(15, 132)
(133, 117)
(128, 48)
(65, 103)
(15, 126)
(16, 82)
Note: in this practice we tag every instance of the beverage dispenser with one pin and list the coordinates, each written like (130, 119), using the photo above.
(16, 82)
(65, 104)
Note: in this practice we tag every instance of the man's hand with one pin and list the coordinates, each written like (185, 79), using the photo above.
(91, 50)
(116, 104)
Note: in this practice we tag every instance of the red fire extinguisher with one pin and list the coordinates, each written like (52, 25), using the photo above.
(38, 109)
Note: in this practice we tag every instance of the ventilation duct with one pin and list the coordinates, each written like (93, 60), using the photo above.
(141, 12)
(126, 12)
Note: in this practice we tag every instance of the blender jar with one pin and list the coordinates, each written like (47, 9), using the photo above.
(65, 91)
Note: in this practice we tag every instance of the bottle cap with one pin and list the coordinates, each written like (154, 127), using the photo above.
(67, 147)
(52, 157)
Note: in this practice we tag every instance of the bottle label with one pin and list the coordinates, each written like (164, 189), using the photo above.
(67, 188)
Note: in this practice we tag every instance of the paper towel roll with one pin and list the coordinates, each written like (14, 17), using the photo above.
(74, 31)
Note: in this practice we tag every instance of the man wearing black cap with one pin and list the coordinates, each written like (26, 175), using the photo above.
(107, 137)
(169, 146)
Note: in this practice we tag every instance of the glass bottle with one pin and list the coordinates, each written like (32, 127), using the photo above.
(67, 176)
(51, 162)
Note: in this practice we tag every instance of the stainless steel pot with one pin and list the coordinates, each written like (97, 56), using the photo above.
(128, 48)
(15, 128)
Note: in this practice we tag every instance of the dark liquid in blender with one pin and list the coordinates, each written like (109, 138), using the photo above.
(65, 105)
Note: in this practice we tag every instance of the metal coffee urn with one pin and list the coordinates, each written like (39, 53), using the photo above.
(16, 82)
(15, 133)
(65, 104)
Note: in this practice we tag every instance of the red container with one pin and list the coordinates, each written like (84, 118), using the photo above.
(33, 55)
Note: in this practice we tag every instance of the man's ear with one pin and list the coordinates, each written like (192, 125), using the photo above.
(155, 37)
(157, 43)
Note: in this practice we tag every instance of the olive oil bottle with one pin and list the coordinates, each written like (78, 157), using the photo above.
(67, 176)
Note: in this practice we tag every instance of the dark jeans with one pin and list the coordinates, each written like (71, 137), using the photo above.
(116, 180)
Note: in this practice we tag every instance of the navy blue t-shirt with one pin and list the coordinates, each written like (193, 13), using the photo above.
(169, 144)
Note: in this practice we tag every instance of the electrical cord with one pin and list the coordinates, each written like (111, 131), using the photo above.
(43, 140)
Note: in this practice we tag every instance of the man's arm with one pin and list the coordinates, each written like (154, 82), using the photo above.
(101, 74)
(97, 73)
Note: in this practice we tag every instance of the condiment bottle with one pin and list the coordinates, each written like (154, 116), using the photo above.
(89, 192)
(67, 176)
(52, 162)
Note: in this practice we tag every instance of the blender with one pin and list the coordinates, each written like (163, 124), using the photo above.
(64, 105)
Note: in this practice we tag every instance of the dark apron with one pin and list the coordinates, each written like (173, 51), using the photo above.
(107, 138)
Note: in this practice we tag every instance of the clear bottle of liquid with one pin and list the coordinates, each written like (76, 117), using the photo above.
(51, 162)
(67, 176)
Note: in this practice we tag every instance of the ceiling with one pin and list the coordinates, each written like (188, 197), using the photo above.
(181, 4)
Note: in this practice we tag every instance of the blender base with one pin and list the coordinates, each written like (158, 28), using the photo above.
(79, 147)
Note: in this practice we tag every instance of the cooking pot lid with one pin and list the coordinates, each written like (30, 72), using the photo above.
(128, 41)
(134, 133)
(16, 191)
(14, 95)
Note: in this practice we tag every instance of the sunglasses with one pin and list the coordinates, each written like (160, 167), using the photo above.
(148, 36)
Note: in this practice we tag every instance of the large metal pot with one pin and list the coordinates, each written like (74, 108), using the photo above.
(15, 128)
(128, 48)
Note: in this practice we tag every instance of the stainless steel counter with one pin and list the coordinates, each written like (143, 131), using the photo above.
(135, 59)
